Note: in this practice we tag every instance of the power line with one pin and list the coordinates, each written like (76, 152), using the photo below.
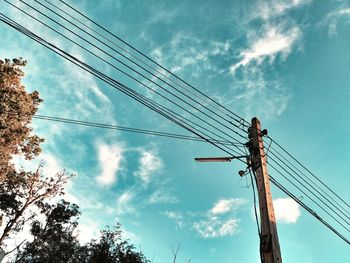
(126, 129)
(285, 165)
(302, 174)
(240, 121)
(238, 118)
(308, 209)
(156, 107)
(138, 81)
(307, 195)
(311, 173)
(142, 67)
(133, 94)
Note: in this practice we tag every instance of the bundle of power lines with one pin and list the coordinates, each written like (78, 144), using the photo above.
(157, 88)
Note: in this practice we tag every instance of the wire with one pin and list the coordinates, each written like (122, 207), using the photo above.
(137, 96)
(254, 198)
(119, 68)
(308, 209)
(238, 118)
(133, 94)
(151, 67)
(311, 173)
(122, 128)
(143, 68)
(334, 202)
(307, 195)
(285, 165)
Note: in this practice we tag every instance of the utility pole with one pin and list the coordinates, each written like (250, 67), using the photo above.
(269, 244)
(256, 161)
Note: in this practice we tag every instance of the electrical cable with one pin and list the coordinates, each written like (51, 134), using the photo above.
(121, 70)
(254, 198)
(138, 97)
(137, 64)
(239, 119)
(311, 173)
(307, 195)
(122, 128)
(308, 209)
(334, 202)
(148, 65)
(186, 127)
(310, 185)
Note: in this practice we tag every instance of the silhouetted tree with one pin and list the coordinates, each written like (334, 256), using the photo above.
(54, 240)
(110, 248)
(21, 191)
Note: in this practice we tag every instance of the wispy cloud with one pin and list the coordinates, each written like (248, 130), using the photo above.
(162, 197)
(274, 8)
(333, 18)
(219, 221)
(214, 227)
(286, 210)
(259, 96)
(275, 41)
(149, 164)
(188, 54)
(110, 159)
(226, 205)
(173, 214)
(124, 202)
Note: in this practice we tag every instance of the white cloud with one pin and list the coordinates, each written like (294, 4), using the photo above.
(173, 215)
(162, 197)
(178, 217)
(124, 204)
(214, 227)
(226, 205)
(249, 77)
(51, 164)
(220, 220)
(273, 96)
(191, 55)
(110, 158)
(332, 19)
(272, 43)
(274, 8)
(87, 230)
(286, 210)
(150, 164)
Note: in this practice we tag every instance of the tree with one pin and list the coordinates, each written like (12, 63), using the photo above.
(54, 240)
(110, 248)
(16, 110)
(21, 191)
(26, 196)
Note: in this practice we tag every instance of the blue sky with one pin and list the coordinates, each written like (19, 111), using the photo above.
(285, 62)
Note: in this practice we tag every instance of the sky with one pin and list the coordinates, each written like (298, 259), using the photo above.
(285, 62)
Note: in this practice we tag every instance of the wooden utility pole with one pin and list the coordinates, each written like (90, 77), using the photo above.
(269, 245)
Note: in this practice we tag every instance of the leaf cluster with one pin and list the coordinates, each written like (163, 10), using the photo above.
(16, 110)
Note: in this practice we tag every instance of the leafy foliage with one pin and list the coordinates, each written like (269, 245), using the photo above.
(20, 191)
(111, 248)
(55, 242)
(53, 239)
(26, 197)
(16, 110)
